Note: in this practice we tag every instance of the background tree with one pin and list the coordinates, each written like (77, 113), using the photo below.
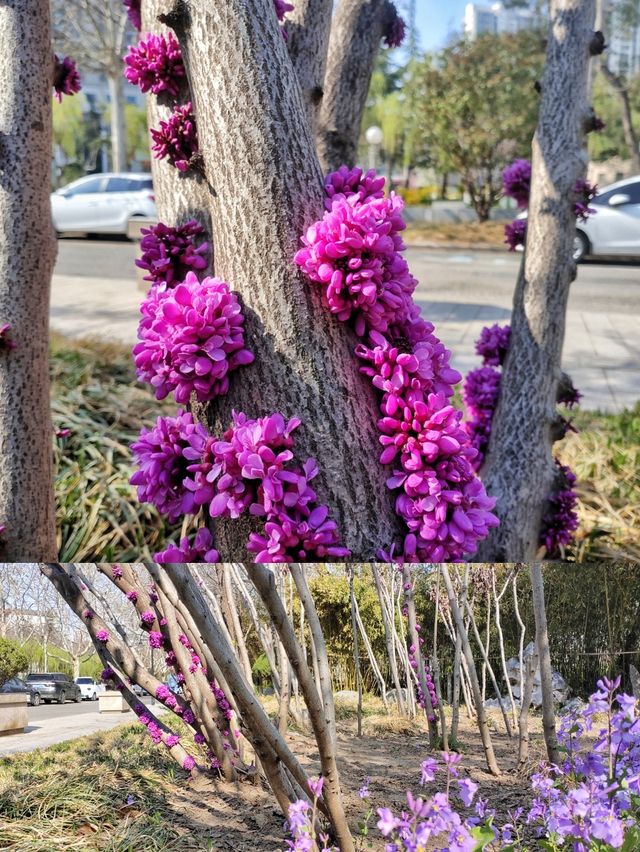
(477, 109)
(95, 33)
(519, 469)
(27, 255)
(13, 659)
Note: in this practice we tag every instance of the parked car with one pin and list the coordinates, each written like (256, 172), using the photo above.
(139, 691)
(103, 203)
(16, 684)
(55, 686)
(614, 229)
(89, 688)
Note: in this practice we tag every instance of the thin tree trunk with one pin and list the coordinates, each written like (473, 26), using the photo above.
(503, 657)
(388, 624)
(523, 631)
(455, 701)
(414, 640)
(519, 469)
(544, 656)
(308, 28)
(356, 649)
(240, 644)
(487, 644)
(375, 668)
(27, 255)
(525, 698)
(265, 187)
(436, 670)
(118, 141)
(630, 135)
(473, 675)
(358, 27)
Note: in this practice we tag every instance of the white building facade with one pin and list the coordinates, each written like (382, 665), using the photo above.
(495, 19)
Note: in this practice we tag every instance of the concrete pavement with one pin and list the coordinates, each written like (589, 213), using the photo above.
(53, 724)
(460, 291)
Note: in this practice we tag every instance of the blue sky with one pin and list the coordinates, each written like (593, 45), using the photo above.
(436, 18)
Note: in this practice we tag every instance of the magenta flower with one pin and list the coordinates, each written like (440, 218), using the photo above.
(155, 65)
(132, 595)
(102, 635)
(6, 340)
(171, 740)
(560, 520)
(493, 343)
(66, 80)
(116, 572)
(516, 181)
(202, 550)
(396, 30)
(170, 253)
(188, 763)
(163, 454)
(176, 139)
(585, 192)
(481, 389)
(515, 233)
(315, 785)
(133, 12)
(354, 251)
(156, 639)
(191, 338)
(147, 617)
(282, 7)
(353, 184)
(107, 674)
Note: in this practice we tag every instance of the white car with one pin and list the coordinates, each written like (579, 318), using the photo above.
(103, 204)
(615, 228)
(89, 688)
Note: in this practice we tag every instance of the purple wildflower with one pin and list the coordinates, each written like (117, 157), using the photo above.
(492, 345)
(170, 253)
(516, 180)
(515, 233)
(202, 550)
(102, 635)
(147, 617)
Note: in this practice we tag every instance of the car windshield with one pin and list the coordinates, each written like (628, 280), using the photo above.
(40, 677)
(84, 680)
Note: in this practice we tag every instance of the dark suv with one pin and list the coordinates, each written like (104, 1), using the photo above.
(54, 686)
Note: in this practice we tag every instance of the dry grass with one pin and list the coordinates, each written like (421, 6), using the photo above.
(99, 517)
(478, 233)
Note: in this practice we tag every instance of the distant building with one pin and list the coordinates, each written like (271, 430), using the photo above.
(495, 19)
(623, 37)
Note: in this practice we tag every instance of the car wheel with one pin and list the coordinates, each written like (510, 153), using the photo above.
(78, 698)
(62, 698)
(36, 700)
(94, 697)
(581, 247)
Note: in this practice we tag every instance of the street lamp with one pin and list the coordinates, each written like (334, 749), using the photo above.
(374, 137)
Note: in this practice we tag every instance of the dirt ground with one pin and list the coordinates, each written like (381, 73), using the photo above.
(243, 818)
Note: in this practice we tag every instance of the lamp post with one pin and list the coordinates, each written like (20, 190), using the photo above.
(374, 137)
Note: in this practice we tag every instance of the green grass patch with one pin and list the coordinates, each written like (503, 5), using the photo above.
(104, 792)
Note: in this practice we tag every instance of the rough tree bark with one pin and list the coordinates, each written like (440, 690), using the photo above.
(413, 638)
(27, 255)
(519, 469)
(358, 27)
(544, 657)
(265, 187)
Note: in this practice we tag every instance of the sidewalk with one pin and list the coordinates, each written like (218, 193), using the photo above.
(47, 732)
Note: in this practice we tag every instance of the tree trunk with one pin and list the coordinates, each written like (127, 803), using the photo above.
(630, 136)
(519, 469)
(308, 28)
(27, 255)
(118, 139)
(265, 187)
(525, 699)
(473, 675)
(358, 27)
(356, 648)
(388, 624)
(179, 196)
(414, 641)
(544, 656)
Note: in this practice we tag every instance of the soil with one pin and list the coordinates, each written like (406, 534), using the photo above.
(243, 818)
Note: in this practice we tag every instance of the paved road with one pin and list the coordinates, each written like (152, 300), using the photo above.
(53, 723)
(460, 291)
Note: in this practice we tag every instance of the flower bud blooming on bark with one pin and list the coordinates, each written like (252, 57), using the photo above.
(133, 13)
(176, 139)
(155, 65)
(66, 80)
(169, 253)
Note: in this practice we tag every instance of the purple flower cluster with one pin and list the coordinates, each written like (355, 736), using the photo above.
(6, 340)
(183, 468)
(585, 192)
(201, 550)
(515, 233)
(516, 181)
(133, 12)
(155, 65)
(282, 7)
(177, 140)
(395, 31)
(355, 252)
(492, 345)
(164, 453)
(560, 520)
(480, 394)
(170, 253)
(66, 80)
(191, 337)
